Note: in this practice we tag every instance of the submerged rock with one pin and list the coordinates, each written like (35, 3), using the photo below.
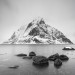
(40, 60)
(21, 55)
(53, 57)
(57, 62)
(64, 57)
(27, 57)
(14, 67)
(32, 54)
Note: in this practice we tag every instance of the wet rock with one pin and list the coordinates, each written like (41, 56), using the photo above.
(40, 60)
(68, 48)
(21, 55)
(57, 62)
(64, 57)
(53, 57)
(32, 54)
(14, 67)
(27, 57)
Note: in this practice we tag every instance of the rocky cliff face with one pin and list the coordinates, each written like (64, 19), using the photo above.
(38, 32)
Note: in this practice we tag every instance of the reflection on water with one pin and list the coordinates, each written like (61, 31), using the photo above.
(8, 58)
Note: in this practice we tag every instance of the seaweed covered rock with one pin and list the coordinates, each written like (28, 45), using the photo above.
(63, 57)
(32, 54)
(40, 60)
(53, 57)
(57, 62)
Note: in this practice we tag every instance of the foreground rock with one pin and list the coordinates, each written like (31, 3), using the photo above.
(40, 60)
(68, 48)
(53, 57)
(21, 55)
(64, 58)
(57, 62)
(58, 59)
(32, 54)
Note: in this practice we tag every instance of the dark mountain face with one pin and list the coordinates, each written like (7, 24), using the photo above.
(38, 32)
(34, 32)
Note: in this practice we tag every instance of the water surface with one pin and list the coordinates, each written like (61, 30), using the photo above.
(8, 58)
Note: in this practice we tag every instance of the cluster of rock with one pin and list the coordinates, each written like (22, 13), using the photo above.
(58, 59)
(42, 60)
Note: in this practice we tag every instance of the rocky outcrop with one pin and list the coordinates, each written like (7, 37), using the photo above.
(68, 48)
(58, 59)
(40, 60)
(32, 54)
(53, 57)
(57, 62)
(64, 58)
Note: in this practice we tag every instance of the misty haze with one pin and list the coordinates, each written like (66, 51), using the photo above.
(37, 37)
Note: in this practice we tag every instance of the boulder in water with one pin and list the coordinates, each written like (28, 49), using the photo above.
(68, 48)
(57, 62)
(21, 55)
(32, 54)
(53, 57)
(63, 57)
(40, 60)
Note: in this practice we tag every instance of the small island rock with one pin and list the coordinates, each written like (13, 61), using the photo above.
(68, 48)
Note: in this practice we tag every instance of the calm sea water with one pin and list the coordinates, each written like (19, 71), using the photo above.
(8, 58)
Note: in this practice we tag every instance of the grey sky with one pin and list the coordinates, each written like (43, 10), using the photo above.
(58, 13)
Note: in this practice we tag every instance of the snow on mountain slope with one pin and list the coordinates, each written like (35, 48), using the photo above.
(38, 32)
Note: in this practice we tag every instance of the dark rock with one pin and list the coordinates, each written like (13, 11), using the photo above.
(68, 48)
(63, 57)
(34, 32)
(57, 62)
(32, 54)
(40, 66)
(27, 57)
(29, 25)
(53, 57)
(37, 41)
(14, 67)
(40, 60)
(21, 55)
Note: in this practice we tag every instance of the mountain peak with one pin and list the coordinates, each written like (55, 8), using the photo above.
(38, 32)
(38, 21)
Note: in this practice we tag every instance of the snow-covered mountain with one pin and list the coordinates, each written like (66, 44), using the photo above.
(38, 32)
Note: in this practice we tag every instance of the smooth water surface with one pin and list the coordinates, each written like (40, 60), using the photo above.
(8, 58)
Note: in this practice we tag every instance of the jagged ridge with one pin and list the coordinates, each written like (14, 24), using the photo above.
(38, 32)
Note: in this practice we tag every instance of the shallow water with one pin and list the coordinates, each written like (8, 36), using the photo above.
(8, 58)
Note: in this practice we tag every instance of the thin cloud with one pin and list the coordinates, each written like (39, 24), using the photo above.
(5, 3)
